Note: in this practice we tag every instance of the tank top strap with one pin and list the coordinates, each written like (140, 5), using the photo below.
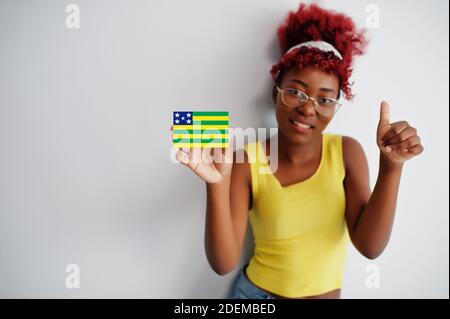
(258, 163)
(334, 154)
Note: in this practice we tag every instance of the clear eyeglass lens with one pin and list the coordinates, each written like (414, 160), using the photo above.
(327, 106)
(295, 98)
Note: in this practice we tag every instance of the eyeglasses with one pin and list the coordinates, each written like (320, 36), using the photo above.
(296, 98)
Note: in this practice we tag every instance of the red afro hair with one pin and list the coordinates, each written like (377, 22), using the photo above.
(313, 23)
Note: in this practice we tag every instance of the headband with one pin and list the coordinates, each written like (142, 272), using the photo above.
(321, 45)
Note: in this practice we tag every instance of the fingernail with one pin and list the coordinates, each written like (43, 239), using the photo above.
(388, 149)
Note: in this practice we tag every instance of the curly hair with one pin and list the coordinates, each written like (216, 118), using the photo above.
(313, 23)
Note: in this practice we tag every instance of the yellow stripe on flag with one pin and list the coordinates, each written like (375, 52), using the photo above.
(210, 118)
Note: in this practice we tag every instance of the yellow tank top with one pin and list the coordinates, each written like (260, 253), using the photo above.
(300, 232)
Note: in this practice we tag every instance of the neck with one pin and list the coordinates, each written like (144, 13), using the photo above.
(298, 153)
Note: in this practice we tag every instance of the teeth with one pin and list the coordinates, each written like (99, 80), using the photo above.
(301, 124)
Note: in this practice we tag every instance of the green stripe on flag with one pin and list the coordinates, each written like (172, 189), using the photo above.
(203, 141)
(210, 122)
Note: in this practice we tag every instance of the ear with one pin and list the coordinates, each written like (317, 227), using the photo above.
(274, 94)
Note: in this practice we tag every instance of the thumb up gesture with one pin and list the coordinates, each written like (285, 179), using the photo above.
(398, 141)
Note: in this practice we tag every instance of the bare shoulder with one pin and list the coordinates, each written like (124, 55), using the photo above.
(241, 166)
(353, 152)
(241, 179)
(350, 143)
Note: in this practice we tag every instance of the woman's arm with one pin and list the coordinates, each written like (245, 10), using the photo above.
(370, 216)
(227, 209)
(228, 190)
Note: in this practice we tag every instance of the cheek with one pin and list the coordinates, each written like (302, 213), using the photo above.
(281, 116)
(322, 123)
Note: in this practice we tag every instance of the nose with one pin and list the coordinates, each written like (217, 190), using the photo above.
(307, 108)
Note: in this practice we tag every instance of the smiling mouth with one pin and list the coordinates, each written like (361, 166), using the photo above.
(301, 125)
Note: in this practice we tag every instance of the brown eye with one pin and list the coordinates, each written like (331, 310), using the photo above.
(298, 94)
(292, 92)
(326, 101)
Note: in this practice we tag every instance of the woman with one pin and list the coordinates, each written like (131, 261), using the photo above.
(304, 214)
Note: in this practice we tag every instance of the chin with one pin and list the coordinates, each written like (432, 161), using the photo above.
(298, 138)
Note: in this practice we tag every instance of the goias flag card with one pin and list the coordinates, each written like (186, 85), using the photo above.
(200, 129)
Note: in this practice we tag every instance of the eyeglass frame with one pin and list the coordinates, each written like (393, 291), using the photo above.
(315, 103)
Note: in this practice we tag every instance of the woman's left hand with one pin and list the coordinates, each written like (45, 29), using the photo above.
(398, 141)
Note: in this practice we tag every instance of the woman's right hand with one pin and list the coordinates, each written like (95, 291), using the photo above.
(212, 165)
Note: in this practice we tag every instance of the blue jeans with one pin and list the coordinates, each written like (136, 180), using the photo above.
(243, 288)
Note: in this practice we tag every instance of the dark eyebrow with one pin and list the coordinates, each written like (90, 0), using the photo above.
(306, 86)
(299, 82)
(327, 90)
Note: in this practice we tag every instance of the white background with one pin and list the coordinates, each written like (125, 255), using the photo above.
(85, 174)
